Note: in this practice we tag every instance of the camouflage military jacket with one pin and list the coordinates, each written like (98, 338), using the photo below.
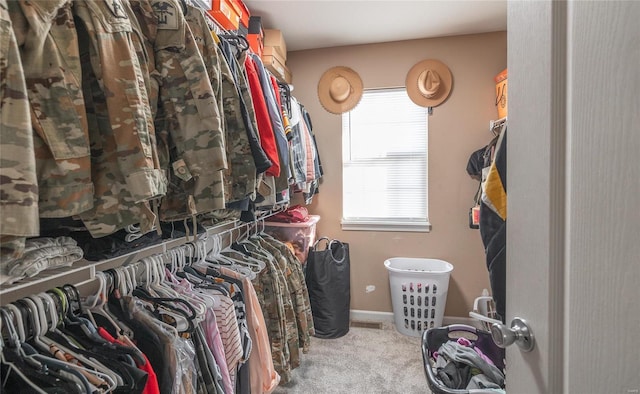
(190, 135)
(124, 169)
(18, 181)
(240, 175)
(48, 42)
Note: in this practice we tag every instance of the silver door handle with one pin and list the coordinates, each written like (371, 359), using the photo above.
(519, 333)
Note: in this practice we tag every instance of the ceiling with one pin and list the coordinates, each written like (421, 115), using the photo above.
(311, 24)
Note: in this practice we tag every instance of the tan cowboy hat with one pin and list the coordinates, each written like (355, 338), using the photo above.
(339, 89)
(429, 83)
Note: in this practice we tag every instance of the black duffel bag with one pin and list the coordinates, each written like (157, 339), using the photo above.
(328, 281)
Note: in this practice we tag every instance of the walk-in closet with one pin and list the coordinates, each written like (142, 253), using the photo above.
(319, 197)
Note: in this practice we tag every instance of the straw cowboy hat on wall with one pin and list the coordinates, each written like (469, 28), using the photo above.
(339, 89)
(429, 83)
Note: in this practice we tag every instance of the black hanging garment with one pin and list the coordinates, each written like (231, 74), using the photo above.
(493, 224)
(328, 282)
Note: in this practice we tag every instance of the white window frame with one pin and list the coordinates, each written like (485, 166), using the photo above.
(416, 224)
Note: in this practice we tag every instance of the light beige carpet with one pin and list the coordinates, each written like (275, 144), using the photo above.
(365, 361)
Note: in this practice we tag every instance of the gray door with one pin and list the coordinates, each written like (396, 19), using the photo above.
(573, 232)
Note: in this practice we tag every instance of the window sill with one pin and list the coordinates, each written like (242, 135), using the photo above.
(419, 227)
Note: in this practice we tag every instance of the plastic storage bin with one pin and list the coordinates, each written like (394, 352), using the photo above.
(300, 236)
(433, 338)
(419, 290)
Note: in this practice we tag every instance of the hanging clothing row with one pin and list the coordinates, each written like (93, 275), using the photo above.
(200, 318)
(128, 115)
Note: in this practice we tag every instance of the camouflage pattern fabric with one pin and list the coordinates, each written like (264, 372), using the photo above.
(124, 173)
(147, 22)
(144, 24)
(239, 177)
(267, 190)
(189, 128)
(291, 329)
(268, 289)
(18, 179)
(299, 292)
(288, 297)
(46, 35)
(207, 47)
(216, 217)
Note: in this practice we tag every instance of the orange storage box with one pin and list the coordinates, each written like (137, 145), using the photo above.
(298, 236)
(255, 43)
(224, 12)
(501, 93)
(242, 11)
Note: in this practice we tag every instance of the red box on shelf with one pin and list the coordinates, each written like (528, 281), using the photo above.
(224, 12)
(242, 11)
(255, 43)
(255, 35)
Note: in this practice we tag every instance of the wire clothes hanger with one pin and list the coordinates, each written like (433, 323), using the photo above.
(238, 41)
(175, 306)
(494, 125)
(85, 333)
(12, 354)
(183, 287)
(239, 259)
(44, 365)
(164, 280)
(99, 379)
(215, 259)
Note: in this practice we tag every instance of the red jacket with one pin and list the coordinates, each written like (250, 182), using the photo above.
(267, 137)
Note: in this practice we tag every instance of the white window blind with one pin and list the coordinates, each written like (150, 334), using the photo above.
(385, 163)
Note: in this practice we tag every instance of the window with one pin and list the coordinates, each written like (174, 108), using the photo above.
(384, 163)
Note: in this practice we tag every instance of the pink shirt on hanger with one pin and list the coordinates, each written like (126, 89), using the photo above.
(263, 375)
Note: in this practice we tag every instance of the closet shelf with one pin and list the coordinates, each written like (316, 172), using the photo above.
(83, 271)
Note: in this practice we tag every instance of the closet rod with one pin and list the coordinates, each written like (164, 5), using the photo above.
(83, 271)
(89, 286)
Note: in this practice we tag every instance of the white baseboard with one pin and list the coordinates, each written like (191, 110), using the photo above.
(371, 316)
(388, 317)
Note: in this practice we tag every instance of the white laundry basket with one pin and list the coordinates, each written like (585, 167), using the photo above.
(418, 292)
